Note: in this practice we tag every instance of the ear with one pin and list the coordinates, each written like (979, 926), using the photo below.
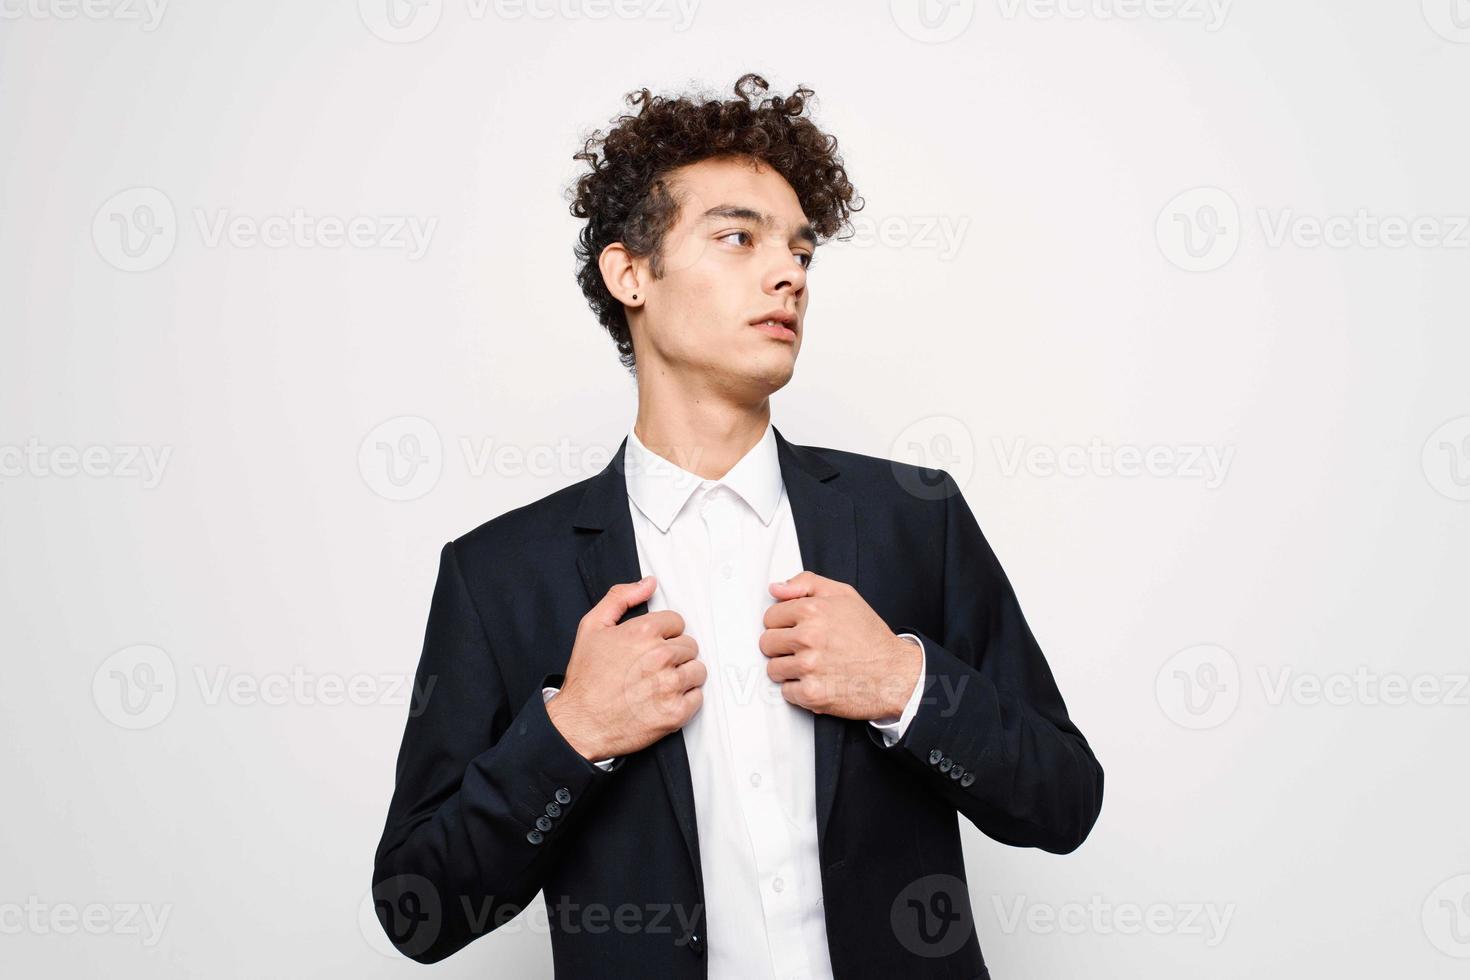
(621, 274)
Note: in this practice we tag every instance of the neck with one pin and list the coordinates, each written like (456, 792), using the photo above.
(701, 431)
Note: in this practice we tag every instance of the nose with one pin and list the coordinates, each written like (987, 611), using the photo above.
(785, 276)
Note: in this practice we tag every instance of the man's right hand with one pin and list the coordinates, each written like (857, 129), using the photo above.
(627, 685)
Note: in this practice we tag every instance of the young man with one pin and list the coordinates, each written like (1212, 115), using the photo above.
(723, 702)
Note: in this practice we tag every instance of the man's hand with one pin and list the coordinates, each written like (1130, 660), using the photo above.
(832, 654)
(627, 685)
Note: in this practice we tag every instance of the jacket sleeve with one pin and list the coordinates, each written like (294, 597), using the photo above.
(486, 789)
(991, 735)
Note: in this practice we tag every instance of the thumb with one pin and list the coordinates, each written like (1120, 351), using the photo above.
(620, 598)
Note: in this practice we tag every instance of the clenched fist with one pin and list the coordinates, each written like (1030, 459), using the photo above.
(627, 684)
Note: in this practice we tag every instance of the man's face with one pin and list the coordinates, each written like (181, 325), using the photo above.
(737, 254)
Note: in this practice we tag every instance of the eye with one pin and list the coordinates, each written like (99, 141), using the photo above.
(729, 234)
(808, 257)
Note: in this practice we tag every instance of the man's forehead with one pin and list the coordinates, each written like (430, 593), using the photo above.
(732, 190)
(718, 189)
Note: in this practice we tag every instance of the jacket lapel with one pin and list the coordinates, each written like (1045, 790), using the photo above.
(612, 557)
(826, 535)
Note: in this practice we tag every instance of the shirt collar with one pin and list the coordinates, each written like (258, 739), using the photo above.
(660, 488)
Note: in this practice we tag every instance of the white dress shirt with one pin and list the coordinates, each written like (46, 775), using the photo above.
(715, 546)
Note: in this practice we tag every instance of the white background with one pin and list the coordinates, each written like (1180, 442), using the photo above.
(1086, 310)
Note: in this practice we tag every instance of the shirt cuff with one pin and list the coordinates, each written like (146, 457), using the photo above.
(893, 728)
(547, 693)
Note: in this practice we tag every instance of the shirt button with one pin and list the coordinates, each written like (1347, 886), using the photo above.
(727, 570)
(779, 885)
(755, 779)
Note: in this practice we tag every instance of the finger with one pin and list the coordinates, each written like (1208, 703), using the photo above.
(619, 599)
(791, 691)
(778, 643)
(691, 673)
(785, 613)
(783, 668)
(804, 583)
(682, 648)
(668, 623)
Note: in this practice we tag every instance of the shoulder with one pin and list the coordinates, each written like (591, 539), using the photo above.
(883, 481)
(540, 528)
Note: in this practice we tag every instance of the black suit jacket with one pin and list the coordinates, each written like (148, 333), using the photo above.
(491, 804)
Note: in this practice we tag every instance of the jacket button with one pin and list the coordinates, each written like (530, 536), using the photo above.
(553, 810)
(696, 943)
(967, 779)
(934, 756)
(543, 823)
(945, 764)
(563, 796)
(957, 772)
(535, 837)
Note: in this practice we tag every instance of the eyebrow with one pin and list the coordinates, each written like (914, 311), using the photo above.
(804, 231)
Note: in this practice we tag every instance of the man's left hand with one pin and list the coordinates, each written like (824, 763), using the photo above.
(832, 654)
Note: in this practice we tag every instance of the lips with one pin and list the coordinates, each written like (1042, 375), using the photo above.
(776, 319)
(777, 329)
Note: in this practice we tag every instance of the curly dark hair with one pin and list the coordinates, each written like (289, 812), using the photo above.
(626, 196)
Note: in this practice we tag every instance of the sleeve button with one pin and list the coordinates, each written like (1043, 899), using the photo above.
(946, 764)
(958, 772)
(934, 756)
(535, 837)
(563, 796)
(543, 823)
(967, 779)
(553, 809)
